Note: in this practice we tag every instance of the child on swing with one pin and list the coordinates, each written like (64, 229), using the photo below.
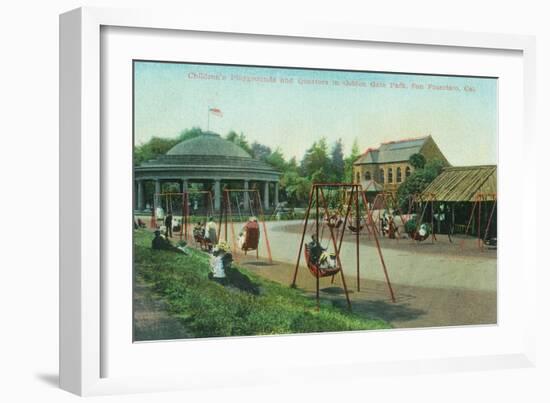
(319, 255)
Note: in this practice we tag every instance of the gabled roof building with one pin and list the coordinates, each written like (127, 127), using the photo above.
(388, 164)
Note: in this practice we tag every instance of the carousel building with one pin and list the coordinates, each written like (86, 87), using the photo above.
(212, 162)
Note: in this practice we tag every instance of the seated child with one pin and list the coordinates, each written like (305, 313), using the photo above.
(220, 261)
(319, 255)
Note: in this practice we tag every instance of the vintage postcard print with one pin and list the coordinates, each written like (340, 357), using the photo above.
(280, 200)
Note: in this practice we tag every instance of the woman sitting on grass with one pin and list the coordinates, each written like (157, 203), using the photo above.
(161, 243)
(220, 261)
(225, 274)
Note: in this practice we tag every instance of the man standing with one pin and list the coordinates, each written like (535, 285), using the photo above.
(168, 224)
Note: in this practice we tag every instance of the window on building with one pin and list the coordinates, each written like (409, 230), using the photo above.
(407, 172)
(390, 175)
(367, 175)
(382, 176)
(398, 175)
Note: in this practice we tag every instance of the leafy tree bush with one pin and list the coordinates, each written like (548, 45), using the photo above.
(417, 161)
(316, 161)
(418, 181)
(348, 164)
(159, 145)
(240, 140)
(337, 161)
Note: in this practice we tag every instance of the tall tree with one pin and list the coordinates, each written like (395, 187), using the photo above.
(337, 161)
(352, 157)
(153, 148)
(240, 140)
(418, 181)
(189, 134)
(160, 145)
(316, 161)
(277, 160)
(417, 160)
(260, 151)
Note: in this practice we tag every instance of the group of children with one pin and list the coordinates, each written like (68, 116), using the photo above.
(206, 235)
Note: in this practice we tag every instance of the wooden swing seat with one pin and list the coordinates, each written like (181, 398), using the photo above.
(354, 229)
(252, 239)
(334, 221)
(315, 270)
(417, 237)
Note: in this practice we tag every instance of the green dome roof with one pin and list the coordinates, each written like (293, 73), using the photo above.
(208, 144)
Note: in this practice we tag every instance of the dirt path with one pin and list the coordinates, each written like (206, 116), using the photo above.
(151, 318)
(414, 306)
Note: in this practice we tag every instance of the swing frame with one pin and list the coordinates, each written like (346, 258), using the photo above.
(317, 200)
(479, 198)
(428, 200)
(384, 197)
(167, 197)
(185, 216)
(226, 219)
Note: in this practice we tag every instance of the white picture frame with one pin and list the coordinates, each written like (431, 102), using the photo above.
(82, 169)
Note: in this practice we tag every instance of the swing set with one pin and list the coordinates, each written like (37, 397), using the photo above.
(168, 203)
(249, 240)
(389, 203)
(418, 205)
(318, 208)
(481, 200)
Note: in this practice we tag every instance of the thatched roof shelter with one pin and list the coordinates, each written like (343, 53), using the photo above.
(462, 184)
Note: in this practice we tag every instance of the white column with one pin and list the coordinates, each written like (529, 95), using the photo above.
(184, 185)
(140, 195)
(217, 194)
(157, 186)
(266, 195)
(276, 193)
(246, 197)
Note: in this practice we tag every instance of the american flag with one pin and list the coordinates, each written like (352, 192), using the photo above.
(216, 111)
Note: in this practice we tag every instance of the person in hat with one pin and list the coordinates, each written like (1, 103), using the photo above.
(168, 223)
(220, 262)
(159, 242)
(211, 231)
(315, 249)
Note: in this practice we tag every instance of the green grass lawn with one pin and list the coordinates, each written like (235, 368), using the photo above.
(208, 309)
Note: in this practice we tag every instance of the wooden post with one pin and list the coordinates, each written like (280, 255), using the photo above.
(336, 251)
(306, 218)
(381, 259)
(264, 225)
(357, 223)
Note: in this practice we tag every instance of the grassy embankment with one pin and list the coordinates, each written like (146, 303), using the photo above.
(208, 309)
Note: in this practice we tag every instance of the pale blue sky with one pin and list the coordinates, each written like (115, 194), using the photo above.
(292, 116)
